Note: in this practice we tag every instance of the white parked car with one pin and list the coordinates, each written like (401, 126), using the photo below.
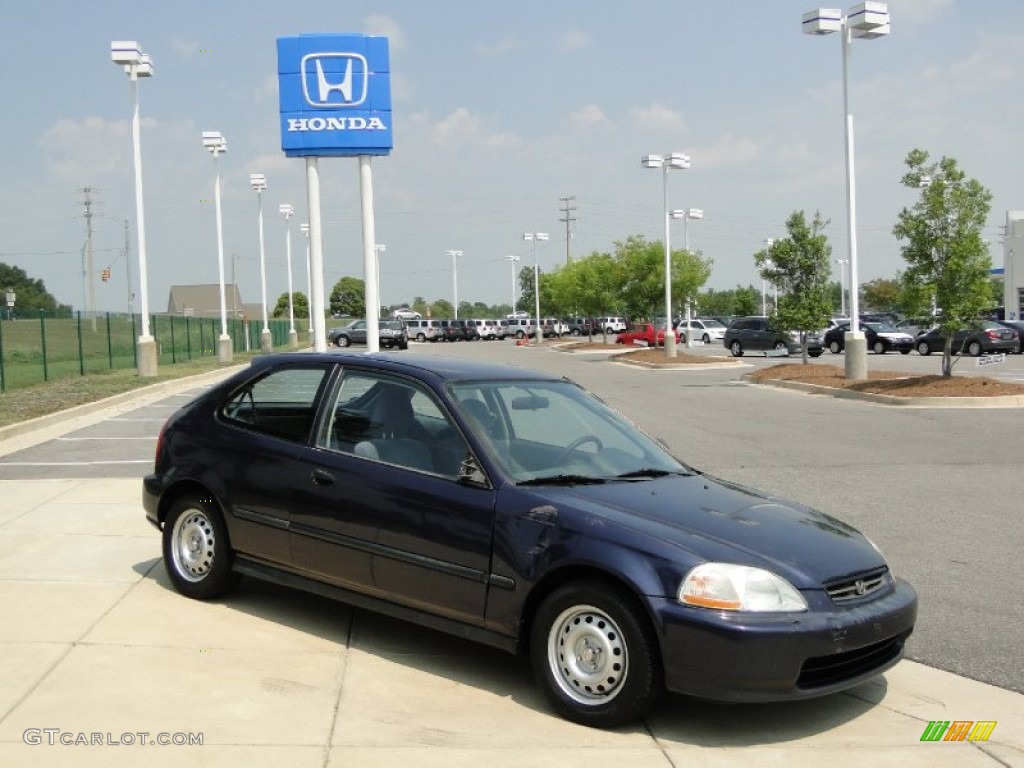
(706, 330)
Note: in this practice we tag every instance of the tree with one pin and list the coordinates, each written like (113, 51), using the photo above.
(947, 259)
(31, 294)
(441, 308)
(799, 266)
(734, 301)
(348, 298)
(300, 305)
(882, 295)
(587, 287)
(642, 270)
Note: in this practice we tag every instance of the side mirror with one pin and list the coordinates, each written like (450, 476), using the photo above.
(470, 472)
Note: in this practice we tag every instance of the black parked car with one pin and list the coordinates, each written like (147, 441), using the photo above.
(756, 334)
(880, 337)
(988, 338)
(391, 334)
(516, 509)
(1018, 326)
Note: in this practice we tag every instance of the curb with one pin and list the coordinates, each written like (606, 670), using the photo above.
(1001, 401)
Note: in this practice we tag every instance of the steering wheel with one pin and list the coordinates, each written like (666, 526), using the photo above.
(582, 440)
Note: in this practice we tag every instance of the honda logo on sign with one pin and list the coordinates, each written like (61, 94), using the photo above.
(332, 80)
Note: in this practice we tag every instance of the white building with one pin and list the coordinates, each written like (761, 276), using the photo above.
(1013, 265)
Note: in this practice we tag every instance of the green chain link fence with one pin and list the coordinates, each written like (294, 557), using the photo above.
(47, 346)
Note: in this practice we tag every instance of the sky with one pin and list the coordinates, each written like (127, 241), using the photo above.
(500, 111)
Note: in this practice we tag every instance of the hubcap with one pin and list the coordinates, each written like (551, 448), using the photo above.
(587, 655)
(192, 545)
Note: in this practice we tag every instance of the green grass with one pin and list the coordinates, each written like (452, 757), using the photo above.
(28, 402)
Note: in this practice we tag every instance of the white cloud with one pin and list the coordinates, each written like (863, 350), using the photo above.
(78, 151)
(917, 13)
(379, 24)
(463, 127)
(587, 116)
(575, 39)
(657, 116)
(186, 49)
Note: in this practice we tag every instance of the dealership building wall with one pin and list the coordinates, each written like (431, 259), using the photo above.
(1013, 265)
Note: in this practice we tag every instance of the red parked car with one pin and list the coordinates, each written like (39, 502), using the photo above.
(644, 332)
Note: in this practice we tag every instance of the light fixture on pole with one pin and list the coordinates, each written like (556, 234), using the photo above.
(216, 144)
(842, 284)
(304, 228)
(534, 237)
(868, 21)
(513, 260)
(455, 278)
(258, 182)
(127, 54)
(686, 214)
(671, 161)
(288, 211)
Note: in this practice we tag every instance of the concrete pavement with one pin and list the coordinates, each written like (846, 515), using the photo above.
(96, 649)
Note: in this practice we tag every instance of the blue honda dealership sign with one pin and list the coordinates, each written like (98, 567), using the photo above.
(335, 95)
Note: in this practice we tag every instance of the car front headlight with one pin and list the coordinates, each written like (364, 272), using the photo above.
(727, 587)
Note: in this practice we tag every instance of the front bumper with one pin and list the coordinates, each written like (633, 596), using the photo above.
(766, 657)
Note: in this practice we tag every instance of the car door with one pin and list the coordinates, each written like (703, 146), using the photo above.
(358, 332)
(399, 525)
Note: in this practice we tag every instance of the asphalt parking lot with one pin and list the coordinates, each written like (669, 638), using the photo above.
(97, 642)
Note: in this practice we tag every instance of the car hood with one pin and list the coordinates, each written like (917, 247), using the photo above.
(896, 335)
(718, 521)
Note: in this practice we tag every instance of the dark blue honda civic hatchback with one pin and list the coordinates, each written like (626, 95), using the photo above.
(517, 509)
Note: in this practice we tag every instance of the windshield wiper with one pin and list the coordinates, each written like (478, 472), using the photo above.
(563, 480)
(645, 472)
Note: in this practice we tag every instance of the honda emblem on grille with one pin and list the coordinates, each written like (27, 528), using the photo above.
(859, 586)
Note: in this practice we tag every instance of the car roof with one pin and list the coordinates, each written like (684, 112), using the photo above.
(444, 368)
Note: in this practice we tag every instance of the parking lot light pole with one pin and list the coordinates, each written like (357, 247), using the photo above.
(513, 260)
(215, 142)
(455, 279)
(126, 53)
(842, 285)
(304, 228)
(288, 211)
(671, 161)
(686, 214)
(258, 181)
(867, 20)
(534, 237)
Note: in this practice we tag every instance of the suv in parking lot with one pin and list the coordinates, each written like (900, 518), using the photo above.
(611, 324)
(391, 333)
(756, 334)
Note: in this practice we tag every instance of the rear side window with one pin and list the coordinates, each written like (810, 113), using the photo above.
(281, 404)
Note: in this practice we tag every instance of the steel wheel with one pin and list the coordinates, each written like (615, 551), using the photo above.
(595, 654)
(196, 551)
(835, 347)
(879, 348)
(923, 348)
(736, 348)
(974, 349)
(706, 339)
(421, 337)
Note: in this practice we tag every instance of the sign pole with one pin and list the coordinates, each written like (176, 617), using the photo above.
(316, 258)
(369, 255)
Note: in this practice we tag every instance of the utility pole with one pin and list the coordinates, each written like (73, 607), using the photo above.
(569, 219)
(87, 214)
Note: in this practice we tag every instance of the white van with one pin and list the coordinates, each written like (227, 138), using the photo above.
(521, 327)
(424, 330)
(488, 329)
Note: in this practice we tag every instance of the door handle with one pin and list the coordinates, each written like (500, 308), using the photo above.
(322, 477)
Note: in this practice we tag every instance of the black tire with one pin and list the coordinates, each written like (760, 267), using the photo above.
(520, 334)
(780, 346)
(421, 337)
(736, 348)
(595, 655)
(706, 339)
(974, 349)
(923, 348)
(342, 341)
(879, 348)
(197, 553)
(835, 347)
(815, 352)
(905, 351)
(574, 332)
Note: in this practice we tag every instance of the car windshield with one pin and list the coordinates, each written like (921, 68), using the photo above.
(394, 325)
(554, 431)
(881, 327)
(712, 324)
